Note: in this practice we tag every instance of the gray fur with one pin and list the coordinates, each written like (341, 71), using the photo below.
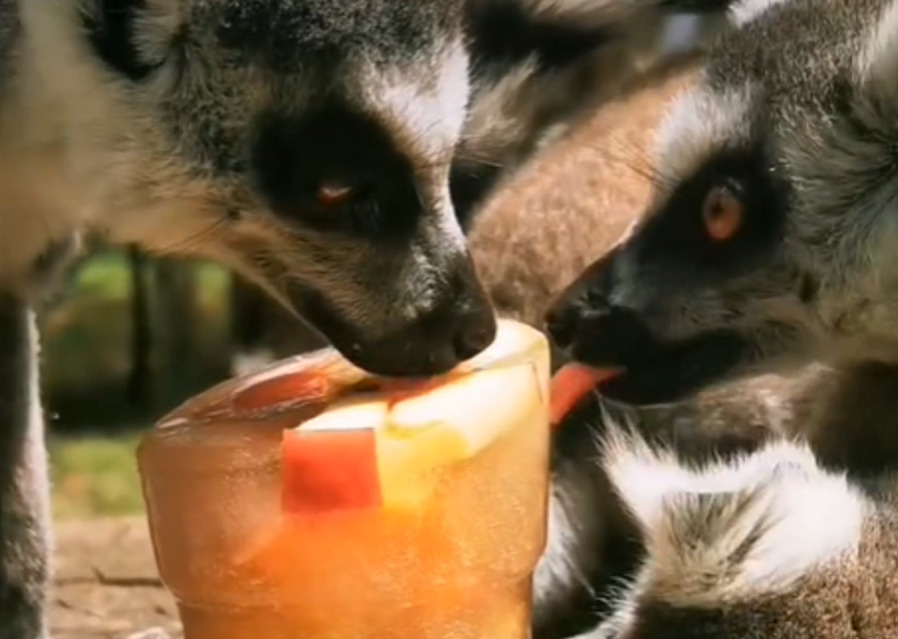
(24, 493)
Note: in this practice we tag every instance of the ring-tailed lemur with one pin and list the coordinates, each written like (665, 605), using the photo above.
(769, 245)
(770, 238)
(308, 144)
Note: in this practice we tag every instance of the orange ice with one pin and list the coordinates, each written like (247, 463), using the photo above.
(388, 508)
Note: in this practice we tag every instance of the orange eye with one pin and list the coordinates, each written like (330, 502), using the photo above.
(722, 213)
(333, 193)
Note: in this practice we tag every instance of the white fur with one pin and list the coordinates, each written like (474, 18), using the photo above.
(558, 567)
(808, 518)
(38, 483)
(696, 124)
(878, 61)
(429, 117)
(744, 12)
(67, 125)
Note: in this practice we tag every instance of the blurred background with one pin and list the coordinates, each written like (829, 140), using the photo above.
(129, 339)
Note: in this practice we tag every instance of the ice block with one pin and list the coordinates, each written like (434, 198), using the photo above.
(314, 501)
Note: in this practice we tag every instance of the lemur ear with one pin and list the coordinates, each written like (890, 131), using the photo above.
(110, 26)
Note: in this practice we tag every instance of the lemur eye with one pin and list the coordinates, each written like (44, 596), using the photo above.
(722, 213)
(334, 194)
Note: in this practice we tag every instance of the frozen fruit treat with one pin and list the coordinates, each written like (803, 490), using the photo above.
(314, 501)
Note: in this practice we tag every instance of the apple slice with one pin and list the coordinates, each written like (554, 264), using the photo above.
(479, 406)
(449, 424)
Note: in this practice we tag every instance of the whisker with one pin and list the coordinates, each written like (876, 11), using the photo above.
(186, 245)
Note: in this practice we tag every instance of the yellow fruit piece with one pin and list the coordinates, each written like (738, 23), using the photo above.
(409, 462)
(451, 423)
(420, 434)
(355, 412)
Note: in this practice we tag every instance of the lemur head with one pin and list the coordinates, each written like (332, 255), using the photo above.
(309, 144)
(306, 143)
(768, 242)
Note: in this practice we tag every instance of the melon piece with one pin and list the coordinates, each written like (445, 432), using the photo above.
(415, 428)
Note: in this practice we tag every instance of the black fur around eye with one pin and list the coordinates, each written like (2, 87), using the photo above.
(335, 170)
(110, 28)
(356, 206)
(729, 215)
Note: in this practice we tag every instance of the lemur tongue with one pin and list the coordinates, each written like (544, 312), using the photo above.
(570, 385)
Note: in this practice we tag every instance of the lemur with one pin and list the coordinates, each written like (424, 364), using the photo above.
(767, 250)
(310, 145)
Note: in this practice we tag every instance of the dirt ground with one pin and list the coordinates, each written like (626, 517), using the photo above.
(106, 580)
(106, 584)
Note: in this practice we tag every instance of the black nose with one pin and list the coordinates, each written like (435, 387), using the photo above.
(561, 324)
(585, 296)
(433, 345)
(601, 334)
(474, 334)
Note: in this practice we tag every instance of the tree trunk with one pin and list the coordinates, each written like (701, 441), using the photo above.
(174, 317)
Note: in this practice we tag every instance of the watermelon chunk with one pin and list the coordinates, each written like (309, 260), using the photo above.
(328, 470)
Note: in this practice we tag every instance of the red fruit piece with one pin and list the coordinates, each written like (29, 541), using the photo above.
(290, 389)
(327, 470)
(570, 385)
